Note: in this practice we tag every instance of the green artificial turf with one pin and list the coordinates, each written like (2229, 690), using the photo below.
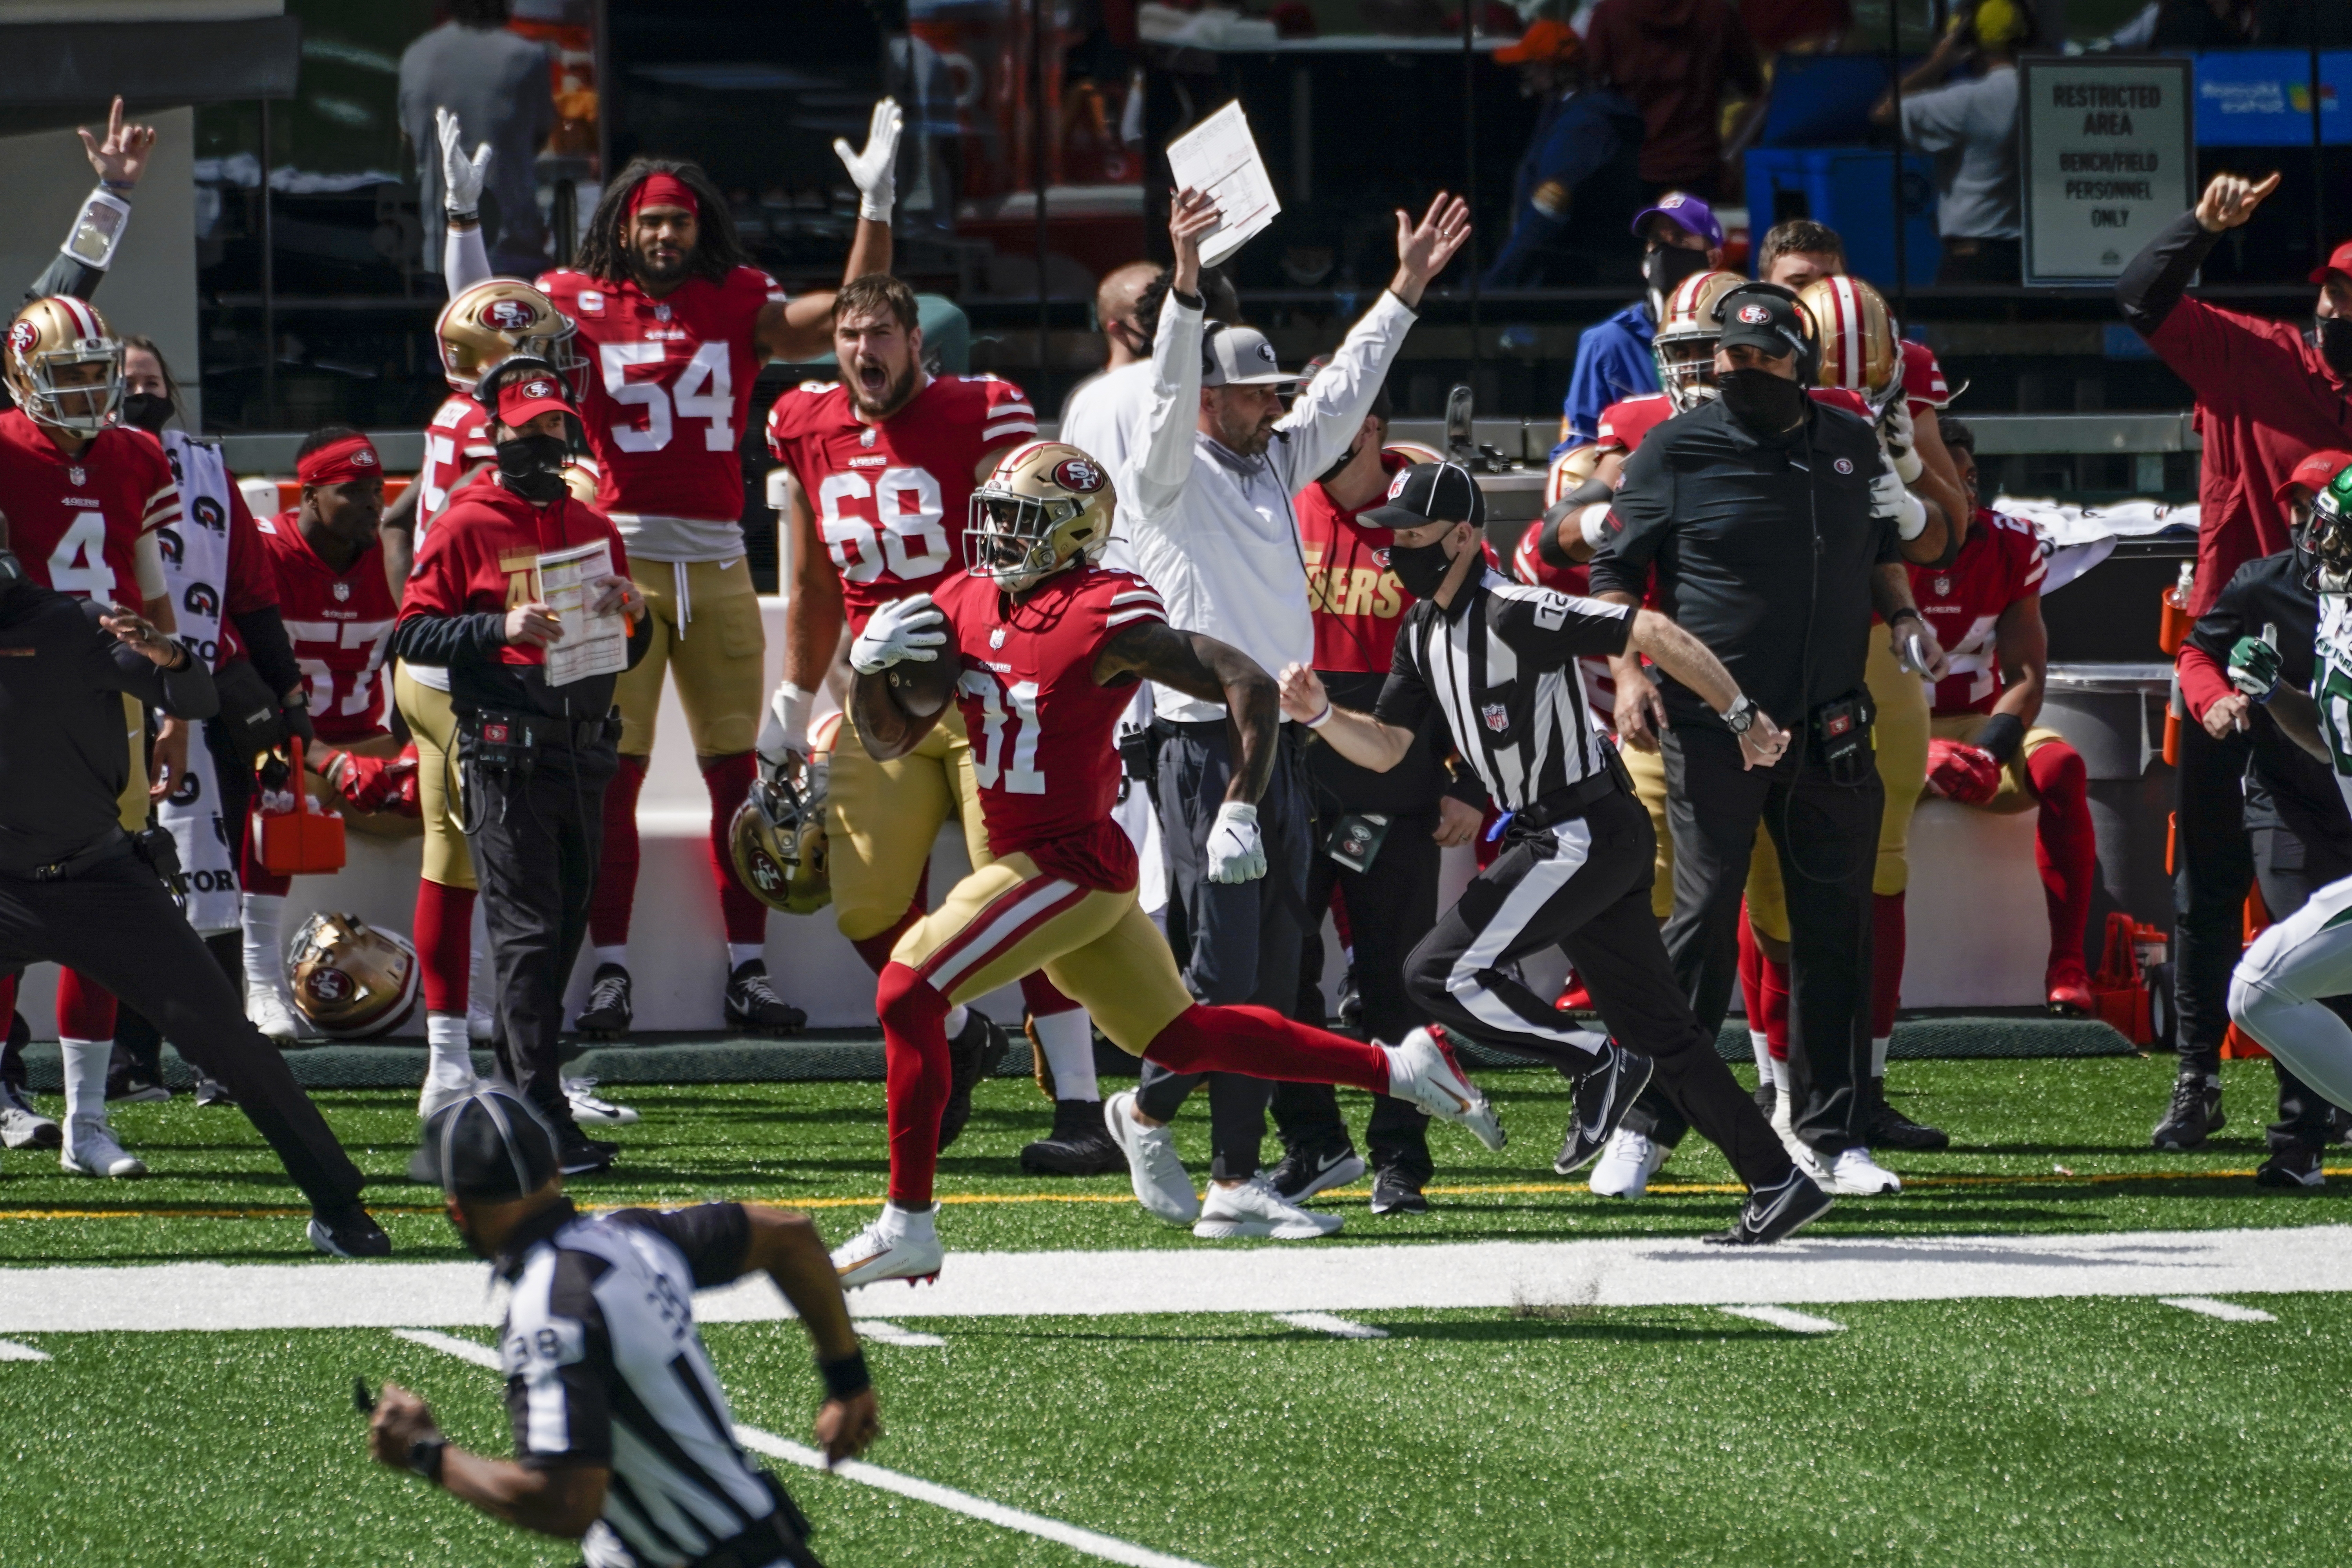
(2083, 1432)
(2033, 1141)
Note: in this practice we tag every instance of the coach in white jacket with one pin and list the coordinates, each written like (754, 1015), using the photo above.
(1206, 505)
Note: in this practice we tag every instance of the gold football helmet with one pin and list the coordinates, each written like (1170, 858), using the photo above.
(1045, 505)
(580, 478)
(1415, 451)
(62, 366)
(1683, 344)
(506, 316)
(351, 980)
(777, 841)
(1861, 350)
(1569, 470)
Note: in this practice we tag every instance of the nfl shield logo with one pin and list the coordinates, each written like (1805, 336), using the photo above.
(996, 637)
(1943, 587)
(661, 313)
(77, 475)
(1498, 718)
(343, 592)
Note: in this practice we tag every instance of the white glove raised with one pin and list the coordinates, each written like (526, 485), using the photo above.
(875, 170)
(1900, 439)
(1237, 853)
(461, 177)
(1888, 498)
(783, 734)
(902, 629)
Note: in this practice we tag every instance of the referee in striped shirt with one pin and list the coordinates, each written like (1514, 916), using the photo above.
(1499, 660)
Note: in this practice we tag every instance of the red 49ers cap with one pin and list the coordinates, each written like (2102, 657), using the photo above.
(2314, 473)
(2341, 261)
(523, 397)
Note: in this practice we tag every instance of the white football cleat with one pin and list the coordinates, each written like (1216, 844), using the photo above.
(900, 1244)
(90, 1151)
(588, 1109)
(1854, 1173)
(1625, 1167)
(1423, 1071)
(272, 1013)
(1254, 1209)
(1154, 1170)
(441, 1092)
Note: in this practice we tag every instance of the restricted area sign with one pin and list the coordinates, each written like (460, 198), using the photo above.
(2105, 159)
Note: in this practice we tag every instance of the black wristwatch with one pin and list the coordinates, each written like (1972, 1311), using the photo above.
(425, 1458)
(1740, 716)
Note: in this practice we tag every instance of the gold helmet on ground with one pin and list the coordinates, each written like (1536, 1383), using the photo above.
(1045, 505)
(1861, 350)
(506, 316)
(1683, 344)
(777, 841)
(351, 980)
(62, 366)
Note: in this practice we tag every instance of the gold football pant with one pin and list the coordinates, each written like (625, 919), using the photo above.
(882, 818)
(705, 631)
(433, 725)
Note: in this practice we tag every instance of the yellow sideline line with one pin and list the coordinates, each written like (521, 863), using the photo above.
(1507, 1189)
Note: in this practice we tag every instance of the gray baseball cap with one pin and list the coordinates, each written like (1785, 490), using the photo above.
(1240, 356)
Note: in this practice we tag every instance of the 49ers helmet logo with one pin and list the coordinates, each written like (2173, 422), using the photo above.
(1754, 314)
(326, 985)
(507, 315)
(1079, 474)
(23, 336)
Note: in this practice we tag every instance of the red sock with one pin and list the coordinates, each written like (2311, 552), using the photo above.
(1751, 971)
(876, 949)
(1773, 976)
(1340, 919)
(1886, 962)
(729, 780)
(617, 874)
(1043, 997)
(445, 944)
(85, 1009)
(1262, 1043)
(7, 995)
(2065, 845)
(915, 1077)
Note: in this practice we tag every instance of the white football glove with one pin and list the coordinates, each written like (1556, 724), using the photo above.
(902, 629)
(1896, 434)
(875, 170)
(1237, 853)
(1888, 498)
(783, 734)
(461, 177)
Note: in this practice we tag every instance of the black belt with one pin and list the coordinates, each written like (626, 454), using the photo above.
(531, 730)
(1568, 805)
(113, 848)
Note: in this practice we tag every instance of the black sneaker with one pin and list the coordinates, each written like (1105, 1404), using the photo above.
(2195, 1114)
(2296, 1169)
(348, 1232)
(1306, 1172)
(971, 1056)
(133, 1087)
(1080, 1145)
(753, 1003)
(577, 1155)
(1605, 1091)
(210, 1091)
(1397, 1192)
(1772, 1213)
(1890, 1128)
(1351, 1004)
(608, 1012)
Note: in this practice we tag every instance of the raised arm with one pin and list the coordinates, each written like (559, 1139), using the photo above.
(120, 158)
(798, 331)
(1154, 479)
(464, 261)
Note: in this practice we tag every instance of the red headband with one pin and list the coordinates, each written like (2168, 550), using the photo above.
(663, 189)
(341, 462)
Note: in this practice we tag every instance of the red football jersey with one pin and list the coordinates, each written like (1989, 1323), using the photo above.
(74, 522)
(1040, 726)
(890, 499)
(669, 391)
(1923, 381)
(1356, 601)
(486, 559)
(1999, 564)
(339, 623)
(1625, 422)
(457, 440)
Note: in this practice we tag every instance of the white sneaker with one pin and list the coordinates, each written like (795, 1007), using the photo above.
(90, 1151)
(439, 1093)
(588, 1109)
(900, 1244)
(1625, 1167)
(272, 1014)
(1423, 1071)
(21, 1126)
(1855, 1174)
(1254, 1209)
(1160, 1183)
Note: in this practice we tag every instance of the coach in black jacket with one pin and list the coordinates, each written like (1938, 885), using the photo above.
(1767, 519)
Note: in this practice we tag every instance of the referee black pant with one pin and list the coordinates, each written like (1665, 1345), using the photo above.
(1827, 835)
(1584, 887)
(115, 923)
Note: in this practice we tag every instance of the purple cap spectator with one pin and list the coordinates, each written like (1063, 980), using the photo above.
(1692, 215)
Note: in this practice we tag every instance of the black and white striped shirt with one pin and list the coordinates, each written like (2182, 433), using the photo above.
(1501, 666)
(603, 1367)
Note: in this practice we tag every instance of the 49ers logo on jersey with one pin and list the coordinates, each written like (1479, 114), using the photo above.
(507, 315)
(23, 336)
(1078, 474)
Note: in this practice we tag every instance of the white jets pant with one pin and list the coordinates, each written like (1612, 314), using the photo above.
(2277, 992)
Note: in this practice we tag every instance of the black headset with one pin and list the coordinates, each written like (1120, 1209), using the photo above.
(1809, 350)
(486, 390)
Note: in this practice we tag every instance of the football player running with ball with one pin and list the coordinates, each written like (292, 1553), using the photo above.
(1040, 650)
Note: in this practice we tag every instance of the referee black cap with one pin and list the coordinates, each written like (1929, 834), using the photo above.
(488, 1145)
(1429, 492)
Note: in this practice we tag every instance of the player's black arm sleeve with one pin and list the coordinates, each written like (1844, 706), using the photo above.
(1200, 666)
(264, 631)
(65, 275)
(2153, 282)
(2217, 631)
(1548, 542)
(1640, 516)
(451, 640)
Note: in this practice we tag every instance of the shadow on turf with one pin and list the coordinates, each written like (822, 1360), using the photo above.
(1531, 1326)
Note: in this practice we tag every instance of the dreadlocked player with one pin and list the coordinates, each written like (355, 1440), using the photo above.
(1043, 649)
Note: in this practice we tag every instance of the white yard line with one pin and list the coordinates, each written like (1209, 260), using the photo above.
(1626, 1272)
(1092, 1543)
(891, 1333)
(1325, 1323)
(11, 1350)
(1781, 1318)
(2228, 1312)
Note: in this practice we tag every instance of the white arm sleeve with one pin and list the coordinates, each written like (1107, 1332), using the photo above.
(1156, 476)
(1328, 411)
(464, 261)
(147, 561)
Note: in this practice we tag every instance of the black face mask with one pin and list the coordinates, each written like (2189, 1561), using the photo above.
(2335, 344)
(146, 411)
(1422, 568)
(1346, 458)
(1665, 267)
(532, 466)
(1766, 403)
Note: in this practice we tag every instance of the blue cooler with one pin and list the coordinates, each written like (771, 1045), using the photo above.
(1847, 188)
